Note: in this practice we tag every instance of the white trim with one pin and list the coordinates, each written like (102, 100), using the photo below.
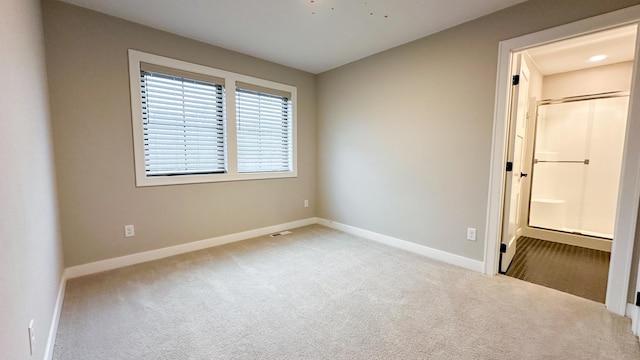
(53, 329)
(495, 203)
(632, 312)
(114, 263)
(626, 216)
(136, 57)
(440, 255)
(629, 195)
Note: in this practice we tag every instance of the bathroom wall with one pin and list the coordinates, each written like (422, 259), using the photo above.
(614, 77)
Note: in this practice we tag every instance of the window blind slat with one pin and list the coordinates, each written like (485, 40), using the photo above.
(176, 125)
(185, 132)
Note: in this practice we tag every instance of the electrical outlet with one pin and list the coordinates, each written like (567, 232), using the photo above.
(471, 234)
(129, 231)
(306, 203)
(32, 337)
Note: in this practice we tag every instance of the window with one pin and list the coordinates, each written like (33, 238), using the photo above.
(264, 130)
(182, 123)
(187, 130)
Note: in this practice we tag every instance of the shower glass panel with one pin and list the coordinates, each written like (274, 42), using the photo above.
(576, 167)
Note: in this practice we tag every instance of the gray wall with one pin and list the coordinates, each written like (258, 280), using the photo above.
(91, 116)
(404, 136)
(30, 248)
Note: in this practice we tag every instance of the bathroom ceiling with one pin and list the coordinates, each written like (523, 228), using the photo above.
(311, 35)
(617, 45)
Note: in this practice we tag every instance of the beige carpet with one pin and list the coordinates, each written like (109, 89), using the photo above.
(323, 294)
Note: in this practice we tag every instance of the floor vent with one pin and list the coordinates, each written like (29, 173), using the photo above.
(281, 233)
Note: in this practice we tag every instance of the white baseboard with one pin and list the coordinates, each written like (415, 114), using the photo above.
(632, 312)
(53, 330)
(440, 255)
(114, 263)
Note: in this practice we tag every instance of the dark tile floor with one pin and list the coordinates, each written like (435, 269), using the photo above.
(572, 269)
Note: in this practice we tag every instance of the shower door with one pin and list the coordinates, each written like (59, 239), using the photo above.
(576, 167)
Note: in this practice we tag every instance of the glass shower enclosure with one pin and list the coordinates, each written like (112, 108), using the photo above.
(577, 160)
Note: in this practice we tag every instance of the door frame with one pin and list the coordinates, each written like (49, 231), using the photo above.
(629, 191)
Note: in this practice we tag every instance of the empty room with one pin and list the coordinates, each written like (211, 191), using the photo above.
(319, 179)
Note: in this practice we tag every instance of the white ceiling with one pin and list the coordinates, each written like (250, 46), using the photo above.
(311, 35)
(573, 54)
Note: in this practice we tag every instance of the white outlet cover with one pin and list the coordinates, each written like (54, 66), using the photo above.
(129, 231)
(471, 234)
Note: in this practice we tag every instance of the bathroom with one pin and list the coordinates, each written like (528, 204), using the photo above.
(576, 116)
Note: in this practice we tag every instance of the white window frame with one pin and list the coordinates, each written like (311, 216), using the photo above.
(230, 80)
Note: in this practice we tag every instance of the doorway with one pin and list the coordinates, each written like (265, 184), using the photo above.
(627, 204)
(569, 105)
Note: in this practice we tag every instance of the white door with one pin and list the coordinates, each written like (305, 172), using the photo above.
(517, 129)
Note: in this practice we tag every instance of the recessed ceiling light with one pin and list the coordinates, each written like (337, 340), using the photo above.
(597, 58)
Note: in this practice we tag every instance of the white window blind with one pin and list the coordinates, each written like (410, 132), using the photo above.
(183, 124)
(264, 130)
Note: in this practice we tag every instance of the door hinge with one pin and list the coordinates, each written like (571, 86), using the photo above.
(638, 299)
(509, 166)
(515, 80)
(503, 248)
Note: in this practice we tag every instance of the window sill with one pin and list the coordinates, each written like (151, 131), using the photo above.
(144, 181)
